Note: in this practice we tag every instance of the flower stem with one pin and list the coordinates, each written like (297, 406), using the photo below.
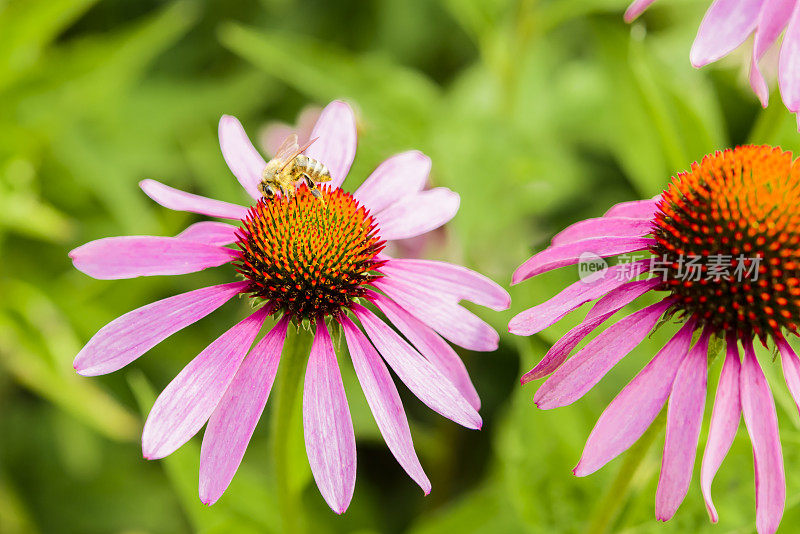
(286, 432)
(609, 506)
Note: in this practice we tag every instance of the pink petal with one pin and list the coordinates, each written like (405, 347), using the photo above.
(636, 209)
(127, 337)
(432, 346)
(232, 424)
(725, 26)
(772, 19)
(636, 8)
(335, 146)
(384, 401)
(571, 253)
(724, 423)
(539, 317)
(578, 375)
(418, 374)
(328, 428)
(621, 296)
(242, 158)
(612, 303)
(637, 405)
(791, 369)
(113, 258)
(178, 200)
(189, 400)
(455, 323)
(761, 421)
(458, 281)
(684, 419)
(273, 135)
(417, 214)
(603, 227)
(789, 63)
(210, 233)
(399, 176)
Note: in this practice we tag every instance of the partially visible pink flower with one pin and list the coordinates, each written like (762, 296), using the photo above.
(303, 261)
(723, 242)
(273, 133)
(728, 23)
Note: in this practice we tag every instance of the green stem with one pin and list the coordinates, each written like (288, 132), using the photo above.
(609, 506)
(293, 360)
(768, 125)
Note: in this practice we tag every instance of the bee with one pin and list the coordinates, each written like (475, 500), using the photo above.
(290, 165)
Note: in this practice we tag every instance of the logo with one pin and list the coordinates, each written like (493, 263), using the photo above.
(591, 267)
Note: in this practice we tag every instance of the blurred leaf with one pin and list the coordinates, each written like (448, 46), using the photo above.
(74, 394)
(27, 26)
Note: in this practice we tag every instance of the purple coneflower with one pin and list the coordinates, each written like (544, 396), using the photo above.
(310, 263)
(728, 23)
(723, 246)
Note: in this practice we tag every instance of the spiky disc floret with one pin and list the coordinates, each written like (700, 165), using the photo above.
(732, 207)
(308, 258)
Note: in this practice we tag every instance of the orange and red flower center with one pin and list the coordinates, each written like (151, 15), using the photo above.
(728, 233)
(309, 258)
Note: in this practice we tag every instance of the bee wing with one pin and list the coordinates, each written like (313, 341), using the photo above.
(299, 150)
(288, 146)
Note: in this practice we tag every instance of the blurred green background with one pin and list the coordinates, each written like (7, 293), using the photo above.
(538, 113)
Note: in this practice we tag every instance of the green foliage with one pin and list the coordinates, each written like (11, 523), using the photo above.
(538, 113)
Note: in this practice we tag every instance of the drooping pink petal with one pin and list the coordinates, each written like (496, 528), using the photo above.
(399, 176)
(114, 258)
(636, 8)
(417, 214)
(189, 400)
(637, 405)
(761, 421)
(335, 145)
(684, 419)
(211, 233)
(772, 18)
(537, 318)
(791, 369)
(789, 63)
(178, 200)
(455, 323)
(449, 278)
(725, 26)
(129, 336)
(418, 374)
(232, 424)
(327, 426)
(384, 401)
(571, 253)
(612, 303)
(432, 346)
(635, 209)
(580, 373)
(603, 227)
(724, 423)
(242, 158)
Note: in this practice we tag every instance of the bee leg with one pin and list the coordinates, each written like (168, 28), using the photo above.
(266, 190)
(312, 187)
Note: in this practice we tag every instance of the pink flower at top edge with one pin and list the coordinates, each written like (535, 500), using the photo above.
(728, 23)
